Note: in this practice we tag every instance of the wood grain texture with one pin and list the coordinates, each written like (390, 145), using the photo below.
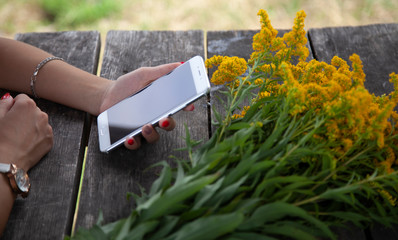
(47, 212)
(108, 177)
(377, 46)
(380, 232)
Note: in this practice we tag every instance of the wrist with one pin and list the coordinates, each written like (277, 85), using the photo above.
(103, 94)
(6, 187)
(11, 157)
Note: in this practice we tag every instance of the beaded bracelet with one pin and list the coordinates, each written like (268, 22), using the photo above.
(36, 72)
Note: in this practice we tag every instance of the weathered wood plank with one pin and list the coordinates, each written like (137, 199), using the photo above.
(380, 232)
(377, 45)
(108, 177)
(47, 212)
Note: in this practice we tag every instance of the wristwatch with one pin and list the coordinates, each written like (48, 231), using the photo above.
(19, 179)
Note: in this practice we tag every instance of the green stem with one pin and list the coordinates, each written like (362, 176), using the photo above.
(341, 166)
(367, 180)
(230, 110)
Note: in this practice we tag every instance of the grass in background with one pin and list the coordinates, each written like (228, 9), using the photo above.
(73, 13)
(104, 15)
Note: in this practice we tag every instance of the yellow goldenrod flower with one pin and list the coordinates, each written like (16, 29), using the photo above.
(228, 68)
(386, 195)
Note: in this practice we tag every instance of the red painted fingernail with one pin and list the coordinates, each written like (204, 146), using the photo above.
(192, 107)
(165, 123)
(130, 141)
(182, 62)
(7, 95)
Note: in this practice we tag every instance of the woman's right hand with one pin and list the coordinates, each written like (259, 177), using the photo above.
(25, 134)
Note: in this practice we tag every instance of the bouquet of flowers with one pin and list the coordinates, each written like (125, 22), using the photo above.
(295, 153)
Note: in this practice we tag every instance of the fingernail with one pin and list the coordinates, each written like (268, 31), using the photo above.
(147, 130)
(165, 123)
(192, 107)
(7, 95)
(182, 62)
(130, 141)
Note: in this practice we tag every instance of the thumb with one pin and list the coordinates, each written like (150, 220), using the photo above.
(6, 103)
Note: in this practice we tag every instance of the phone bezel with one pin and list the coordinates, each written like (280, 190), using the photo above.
(202, 84)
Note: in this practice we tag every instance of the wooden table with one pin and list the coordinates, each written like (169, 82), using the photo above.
(100, 180)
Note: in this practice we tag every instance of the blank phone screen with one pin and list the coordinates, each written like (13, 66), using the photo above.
(154, 101)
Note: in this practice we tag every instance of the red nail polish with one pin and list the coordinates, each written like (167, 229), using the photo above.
(182, 62)
(7, 95)
(165, 123)
(130, 141)
(192, 107)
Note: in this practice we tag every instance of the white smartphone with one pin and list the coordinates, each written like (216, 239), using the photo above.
(162, 98)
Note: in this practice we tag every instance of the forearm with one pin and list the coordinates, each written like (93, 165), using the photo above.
(7, 198)
(57, 81)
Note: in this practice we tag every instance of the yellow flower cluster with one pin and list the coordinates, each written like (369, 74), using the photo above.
(389, 160)
(334, 90)
(386, 195)
(263, 39)
(228, 68)
(339, 94)
(242, 113)
(291, 44)
(296, 39)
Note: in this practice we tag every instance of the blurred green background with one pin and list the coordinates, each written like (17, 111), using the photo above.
(103, 15)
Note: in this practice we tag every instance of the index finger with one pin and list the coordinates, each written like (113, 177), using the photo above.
(6, 103)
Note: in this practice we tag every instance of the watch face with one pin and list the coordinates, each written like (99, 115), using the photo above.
(22, 180)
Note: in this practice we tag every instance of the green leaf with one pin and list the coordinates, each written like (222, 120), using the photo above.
(163, 181)
(216, 115)
(95, 233)
(240, 170)
(273, 138)
(353, 217)
(250, 235)
(240, 99)
(167, 202)
(125, 228)
(246, 206)
(238, 126)
(288, 231)
(166, 225)
(227, 193)
(206, 193)
(261, 166)
(268, 185)
(180, 173)
(151, 201)
(279, 210)
(340, 194)
(140, 230)
(113, 229)
(209, 228)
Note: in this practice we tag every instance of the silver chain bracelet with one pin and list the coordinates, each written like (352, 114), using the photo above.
(36, 72)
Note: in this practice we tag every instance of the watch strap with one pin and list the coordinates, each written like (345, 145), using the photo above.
(11, 170)
(5, 167)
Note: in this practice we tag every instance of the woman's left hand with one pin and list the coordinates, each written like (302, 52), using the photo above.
(131, 83)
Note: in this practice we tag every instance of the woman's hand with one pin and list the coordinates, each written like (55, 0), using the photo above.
(131, 83)
(25, 135)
